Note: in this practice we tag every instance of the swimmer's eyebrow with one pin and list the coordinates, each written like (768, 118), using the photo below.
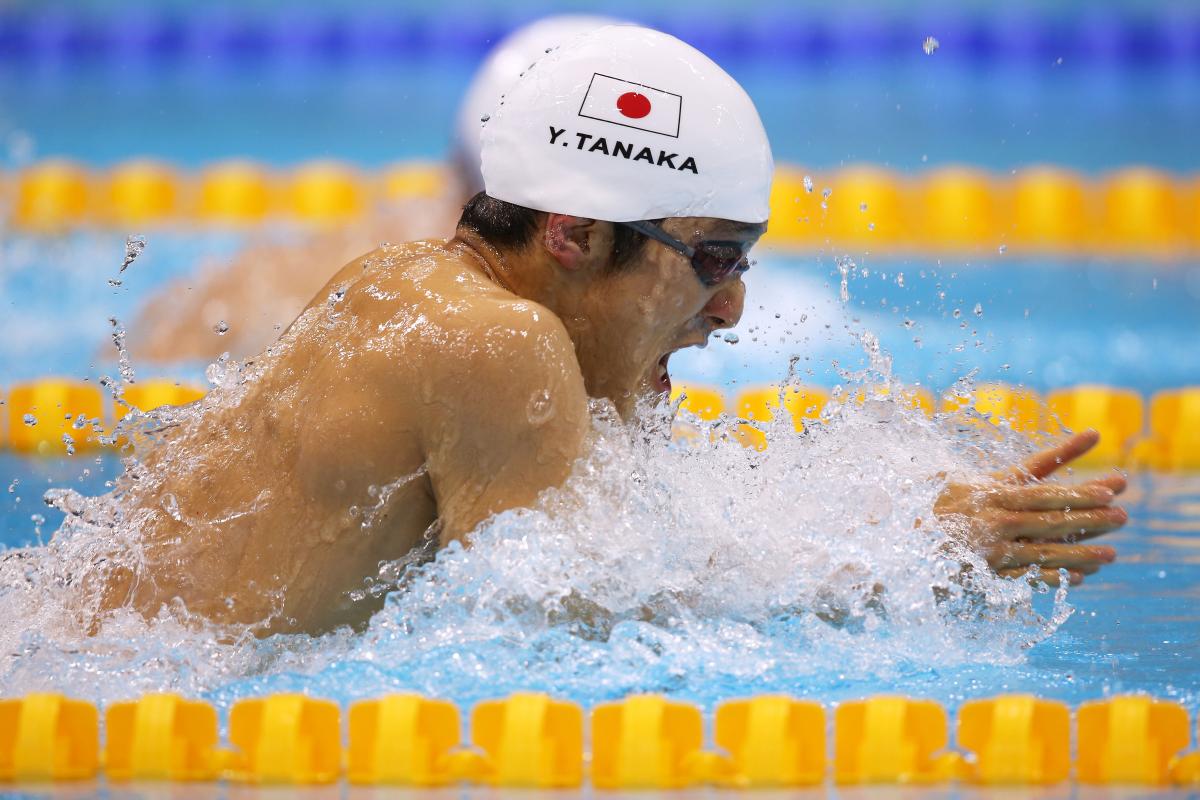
(746, 229)
(737, 232)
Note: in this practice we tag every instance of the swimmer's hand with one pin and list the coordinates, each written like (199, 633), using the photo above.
(1020, 524)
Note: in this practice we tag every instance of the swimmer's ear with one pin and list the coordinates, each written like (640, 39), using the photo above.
(571, 241)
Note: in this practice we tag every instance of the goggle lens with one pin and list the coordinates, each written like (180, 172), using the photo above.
(715, 263)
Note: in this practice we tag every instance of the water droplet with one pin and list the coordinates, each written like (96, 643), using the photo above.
(957, 313)
(114, 282)
(845, 266)
(908, 323)
(485, 118)
(70, 443)
(870, 226)
(1006, 366)
(862, 207)
(221, 328)
(12, 487)
(540, 408)
(30, 420)
(170, 504)
(978, 310)
(900, 279)
(930, 45)
(134, 245)
(37, 519)
(808, 183)
(731, 337)
(1002, 249)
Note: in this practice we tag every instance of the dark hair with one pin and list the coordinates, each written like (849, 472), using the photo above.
(508, 226)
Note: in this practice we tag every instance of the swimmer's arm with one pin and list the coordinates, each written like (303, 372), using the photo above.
(1019, 523)
(510, 420)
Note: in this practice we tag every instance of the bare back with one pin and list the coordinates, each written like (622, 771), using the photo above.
(399, 410)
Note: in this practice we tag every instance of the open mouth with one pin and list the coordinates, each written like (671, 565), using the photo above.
(662, 378)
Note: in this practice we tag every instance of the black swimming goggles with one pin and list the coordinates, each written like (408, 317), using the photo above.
(713, 262)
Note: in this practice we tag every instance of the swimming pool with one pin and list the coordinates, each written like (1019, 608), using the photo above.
(1040, 321)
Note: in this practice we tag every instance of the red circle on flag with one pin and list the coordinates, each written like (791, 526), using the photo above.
(633, 105)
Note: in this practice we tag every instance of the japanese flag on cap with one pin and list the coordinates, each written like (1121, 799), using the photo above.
(626, 123)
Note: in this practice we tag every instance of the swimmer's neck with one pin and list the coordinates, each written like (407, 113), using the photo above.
(489, 261)
(523, 273)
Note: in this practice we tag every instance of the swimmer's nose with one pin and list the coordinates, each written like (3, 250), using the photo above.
(724, 308)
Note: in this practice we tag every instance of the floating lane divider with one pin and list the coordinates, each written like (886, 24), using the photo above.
(642, 742)
(1135, 211)
(1162, 34)
(56, 416)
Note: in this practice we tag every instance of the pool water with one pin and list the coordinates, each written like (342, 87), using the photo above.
(1129, 628)
(713, 562)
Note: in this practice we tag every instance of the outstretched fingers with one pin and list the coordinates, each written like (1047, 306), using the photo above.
(1083, 558)
(1048, 576)
(1062, 524)
(1042, 464)
(1055, 497)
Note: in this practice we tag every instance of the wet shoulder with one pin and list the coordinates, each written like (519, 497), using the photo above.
(428, 293)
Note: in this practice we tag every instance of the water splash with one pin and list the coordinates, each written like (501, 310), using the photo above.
(693, 566)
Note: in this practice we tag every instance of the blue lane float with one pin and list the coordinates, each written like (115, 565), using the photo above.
(1165, 36)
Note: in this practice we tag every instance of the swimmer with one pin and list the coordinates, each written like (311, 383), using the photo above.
(432, 385)
(266, 285)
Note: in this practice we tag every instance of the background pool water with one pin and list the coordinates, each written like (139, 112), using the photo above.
(1042, 322)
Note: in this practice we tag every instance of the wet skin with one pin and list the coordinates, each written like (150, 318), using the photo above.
(456, 375)
(457, 378)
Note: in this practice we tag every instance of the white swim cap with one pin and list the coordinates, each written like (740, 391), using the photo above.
(626, 123)
(499, 71)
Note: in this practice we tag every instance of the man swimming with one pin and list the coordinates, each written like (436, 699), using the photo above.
(432, 385)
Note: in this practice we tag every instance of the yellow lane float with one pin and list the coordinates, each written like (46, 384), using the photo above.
(325, 192)
(48, 737)
(234, 192)
(958, 207)
(285, 739)
(892, 740)
(53, 416)
(1050, 211)
(161, 737)
(1173, 442)
(1131, 212)
(140, 193)
(641, 742)
(414, 181)
(402, 740)
(529, 740)
(773, 741)
(1017, 740)
(797, 218)
(1117, 414)
(866, 209)
(52, 196)
(1142, 212)
(1130, 740)
(646, 742)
